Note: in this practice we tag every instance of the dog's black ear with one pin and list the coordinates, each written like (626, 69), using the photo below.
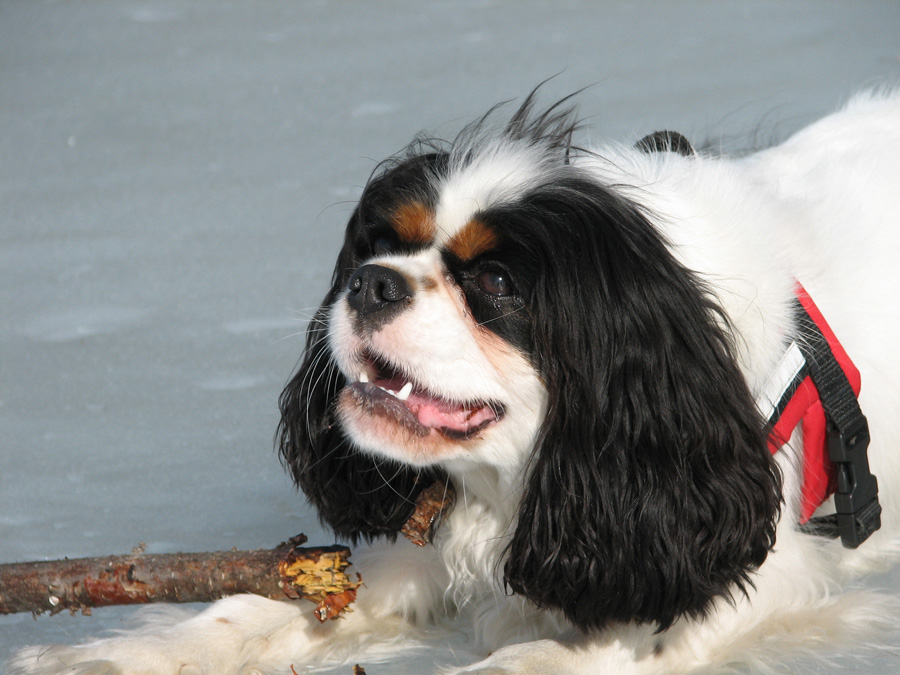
(666, 141)
(651, 491)
(356, 494)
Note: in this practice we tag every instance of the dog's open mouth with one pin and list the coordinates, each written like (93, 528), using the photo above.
(395, 396)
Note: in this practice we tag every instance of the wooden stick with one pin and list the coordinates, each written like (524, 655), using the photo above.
(287, 571)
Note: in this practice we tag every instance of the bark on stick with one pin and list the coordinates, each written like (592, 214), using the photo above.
(287, 571)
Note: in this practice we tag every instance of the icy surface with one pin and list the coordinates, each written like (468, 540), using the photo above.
(174, 178)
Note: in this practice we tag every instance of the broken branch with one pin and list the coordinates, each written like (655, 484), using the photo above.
(287, 571)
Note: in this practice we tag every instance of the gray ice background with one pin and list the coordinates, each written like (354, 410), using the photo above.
(174, 180)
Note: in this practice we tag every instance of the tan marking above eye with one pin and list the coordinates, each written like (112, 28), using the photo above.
(428, 283)
(472, 240)
(414, 223)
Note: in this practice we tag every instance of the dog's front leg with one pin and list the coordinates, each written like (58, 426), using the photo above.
(247, 634)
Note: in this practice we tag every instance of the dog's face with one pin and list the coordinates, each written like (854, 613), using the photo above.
(496, 305)
(431, 327)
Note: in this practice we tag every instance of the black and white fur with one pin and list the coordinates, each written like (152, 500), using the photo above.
(585, 335)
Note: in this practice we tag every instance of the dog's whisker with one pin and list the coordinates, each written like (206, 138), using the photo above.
(388, 482)
(331, 451)
(502, 316)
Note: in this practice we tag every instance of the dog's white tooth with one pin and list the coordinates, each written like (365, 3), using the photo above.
(388, 391)
(404, 393)
(364, 377)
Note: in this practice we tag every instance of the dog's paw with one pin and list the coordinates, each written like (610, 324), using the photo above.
(57, 659)
(541, 657)
(53, 660)
(94, 659)
(108, 659)
(239, 635)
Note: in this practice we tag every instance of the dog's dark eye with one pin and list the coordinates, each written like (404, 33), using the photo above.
(382, 245)
(495, 282)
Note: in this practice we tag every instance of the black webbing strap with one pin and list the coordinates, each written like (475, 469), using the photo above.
(858, 513)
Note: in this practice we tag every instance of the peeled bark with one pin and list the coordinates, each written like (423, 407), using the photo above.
(432, 505)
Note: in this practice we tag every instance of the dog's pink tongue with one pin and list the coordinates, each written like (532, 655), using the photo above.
(438, 414)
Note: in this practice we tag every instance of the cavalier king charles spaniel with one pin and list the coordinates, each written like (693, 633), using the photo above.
(596, 348)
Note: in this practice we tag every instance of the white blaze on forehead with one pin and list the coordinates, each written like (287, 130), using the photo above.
(499, 173)
(426, 262)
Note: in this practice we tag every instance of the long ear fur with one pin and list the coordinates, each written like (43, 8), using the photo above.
(356, 494)
(651, 490)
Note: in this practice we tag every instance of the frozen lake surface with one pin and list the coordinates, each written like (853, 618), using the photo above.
(174, 180)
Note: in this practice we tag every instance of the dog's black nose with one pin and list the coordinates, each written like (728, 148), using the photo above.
(374, 289)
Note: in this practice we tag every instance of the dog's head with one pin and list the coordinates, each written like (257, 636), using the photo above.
(495, 305)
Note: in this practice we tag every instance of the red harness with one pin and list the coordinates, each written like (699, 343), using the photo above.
(835, 433)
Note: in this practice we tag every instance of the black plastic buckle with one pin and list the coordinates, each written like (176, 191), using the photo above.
(856, 499)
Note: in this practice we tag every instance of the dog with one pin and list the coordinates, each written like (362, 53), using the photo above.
(597, 348)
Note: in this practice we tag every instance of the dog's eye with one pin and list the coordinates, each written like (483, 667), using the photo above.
(495, 282)
(382, 245)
